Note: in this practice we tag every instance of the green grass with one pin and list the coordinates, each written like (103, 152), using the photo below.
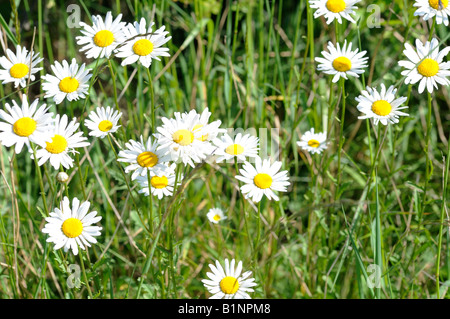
(377, 196)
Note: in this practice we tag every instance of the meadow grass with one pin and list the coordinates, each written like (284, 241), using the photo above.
(377, 196)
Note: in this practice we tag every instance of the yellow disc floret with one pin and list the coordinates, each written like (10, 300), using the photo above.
(183, 137)
(24, 126)
(105, 126)
(103, 38)
(381, 107)
(202, 138)
(72, 227)
(313, 143)
(143, 47)
(147, 159)
(336, 5)
(234, 149)
(428, 67)
(263, 180)
(229, 285)
(342, 64)
(69, 84)
(58, 144)
(438, 5)
(19, 70)
(216, 218)
(159, 182)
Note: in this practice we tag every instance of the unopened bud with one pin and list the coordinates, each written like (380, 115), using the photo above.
(62, 177)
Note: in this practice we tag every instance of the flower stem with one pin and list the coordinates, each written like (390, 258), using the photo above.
(341, 138)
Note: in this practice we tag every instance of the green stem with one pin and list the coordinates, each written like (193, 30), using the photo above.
(341, 138)
(84, 274)
(441, 222)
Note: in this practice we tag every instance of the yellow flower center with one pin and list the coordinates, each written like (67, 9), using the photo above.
(262, 180)
(143, 47)
(19, 70)
(72, 227)
(202, 138)
(183, 137)
(381, 107)
(105, 126)
(103, 38)
(438, 5)
(342, 64)
(58, 144)
(234, 149)
(69, 85)
(216, 218)
(147, 159)
(229, 285)
(313, 143)
(159, 182)
(428, 67)
(336, 5)
(24, 126)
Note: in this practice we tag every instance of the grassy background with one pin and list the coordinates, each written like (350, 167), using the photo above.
(252, 64)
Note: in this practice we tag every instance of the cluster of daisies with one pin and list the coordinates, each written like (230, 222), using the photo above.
(189, 138)
(425, 65)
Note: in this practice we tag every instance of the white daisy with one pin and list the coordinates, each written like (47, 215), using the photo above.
(64, 141)
(103, 121)
(342, 62)
(262, 179)
(101, 38)
(210, 130)
(180, 139)
(17, 66)
(142, 44)
(69, 82)
(425, 65)
(334, 9)
(313, 142)
(241, 147)
(427, 9)
(25, 124)
(70, 228)
(382, 107)
(215, 215)
(162, 182)
(143, 157)
(229, 283)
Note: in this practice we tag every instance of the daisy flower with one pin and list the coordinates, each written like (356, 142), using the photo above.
(425, 65)
(142, 44)
(102, 37)
(17, 66)
(229, 283)
(342, 62)
(25, 124)
(215, 215)
(210, 130)
(64, 140)
(427, 9)
(381, 106)
(334, 9)
(180, 139)
(69, 82)
(103, 121)
(313, 142)
(262, 179)
(143, 157)
(241, 147)
(162, 182)
(70, 228)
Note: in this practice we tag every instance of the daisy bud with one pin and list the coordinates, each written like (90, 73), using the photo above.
(62, 177)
